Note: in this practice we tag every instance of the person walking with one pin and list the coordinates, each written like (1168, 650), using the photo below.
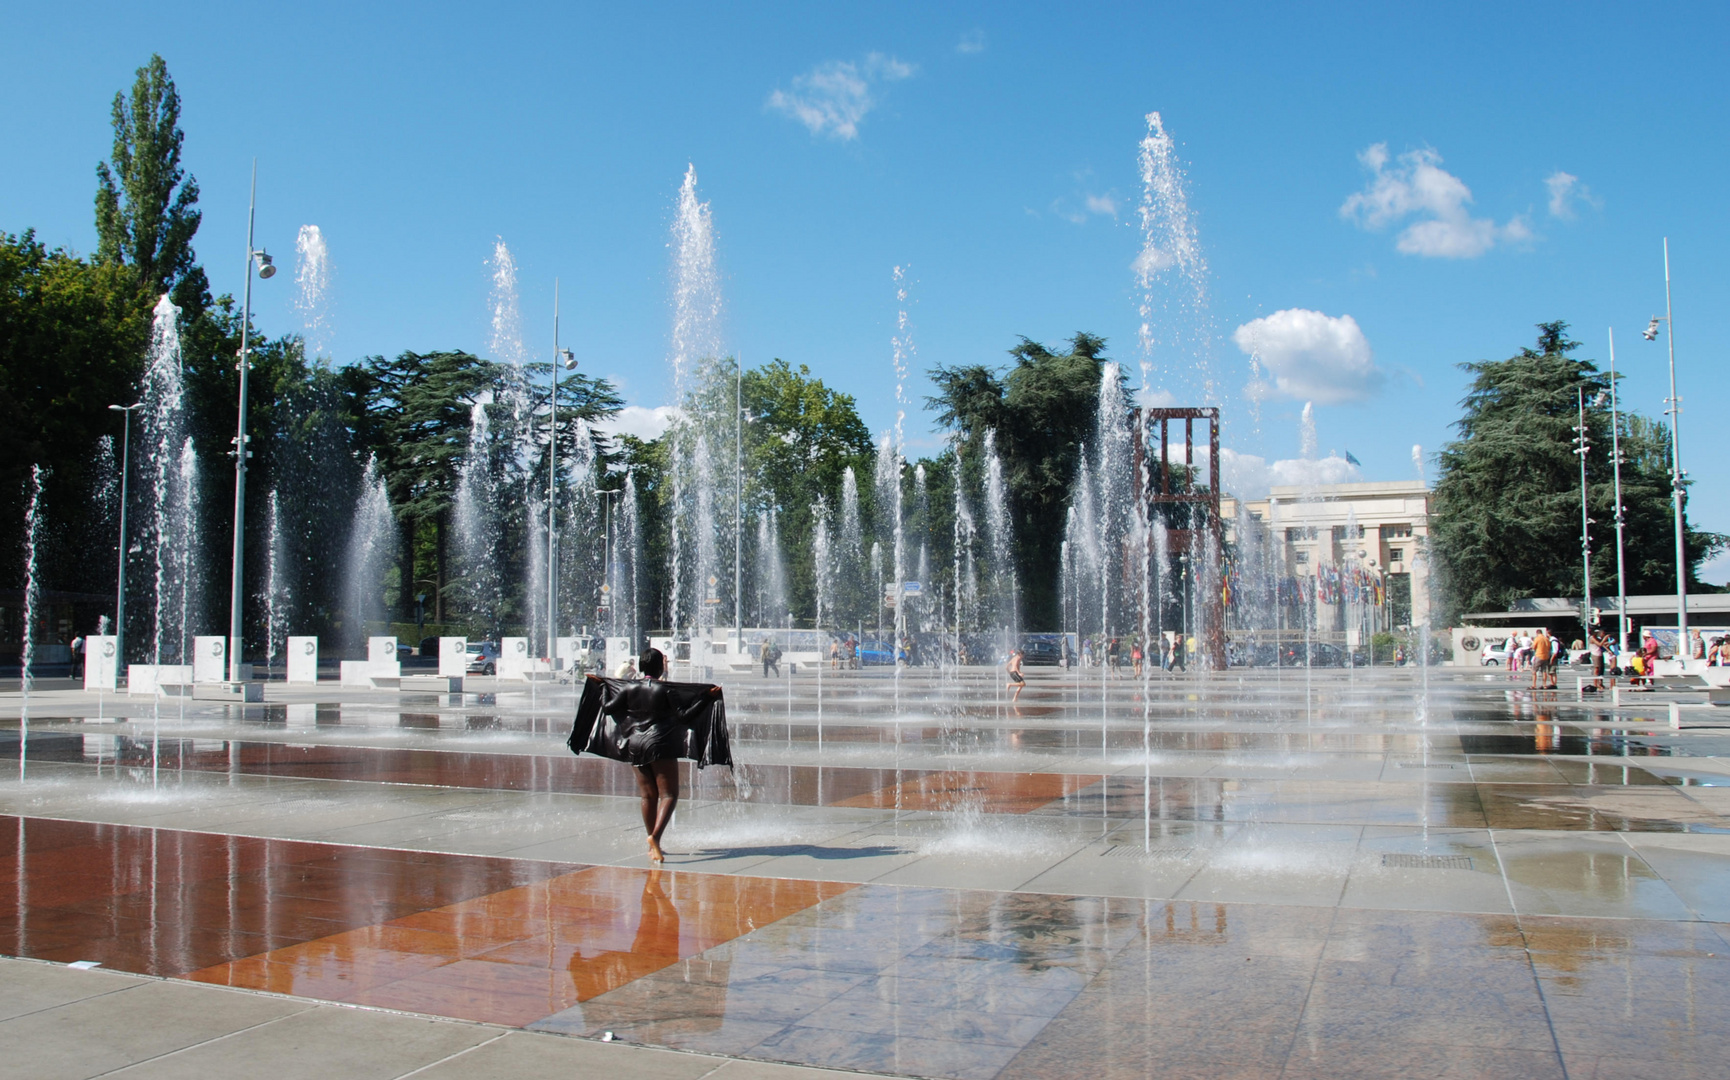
(1135, 657)
(1177, 654)
(771, 657)
(1543, 649)
(1086, 652)
(1016, 682)
(650, 724)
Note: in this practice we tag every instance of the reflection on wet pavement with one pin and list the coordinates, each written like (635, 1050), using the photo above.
(1227, 876)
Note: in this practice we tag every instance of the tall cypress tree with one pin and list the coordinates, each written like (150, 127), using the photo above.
(146, 205)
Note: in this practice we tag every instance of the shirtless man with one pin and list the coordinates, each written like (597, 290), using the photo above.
(1015, 679)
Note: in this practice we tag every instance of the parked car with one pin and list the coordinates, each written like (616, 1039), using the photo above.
(483, 658)
(1496, 653)
(1041, 651)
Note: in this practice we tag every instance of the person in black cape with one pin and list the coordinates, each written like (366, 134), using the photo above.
(650, 724)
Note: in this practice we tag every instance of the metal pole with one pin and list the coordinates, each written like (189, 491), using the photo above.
(235, 596)
(120, 578)
(1616, 463)
(552, 488)
(1585, 519)
(1682, 649)
(738, 501)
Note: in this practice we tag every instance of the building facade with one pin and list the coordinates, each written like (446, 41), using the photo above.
(1333, 558)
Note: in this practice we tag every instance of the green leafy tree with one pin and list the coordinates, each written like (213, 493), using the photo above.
(146, 205)
(1505, 518)
(1044, 409)
(71, 343)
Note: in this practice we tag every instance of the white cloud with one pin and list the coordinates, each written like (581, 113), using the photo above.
(645, 423)
(1309, 356)
(1417, 186)
(834, 97)
(971, 42)
(1566, 190)
(1249, 476)
(1077, 210)
(1102, 204)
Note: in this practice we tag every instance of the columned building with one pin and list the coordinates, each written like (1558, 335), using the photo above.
(1343, 557)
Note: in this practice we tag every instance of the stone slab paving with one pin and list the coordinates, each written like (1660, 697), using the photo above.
(1246, 874)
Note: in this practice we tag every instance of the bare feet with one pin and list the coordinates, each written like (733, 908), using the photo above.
(655, 852)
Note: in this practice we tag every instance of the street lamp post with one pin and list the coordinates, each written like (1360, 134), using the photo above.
(1673, 405)
(236, 598)
(120, 576)
(1616, 464)
(738, 503)
(1583, 446)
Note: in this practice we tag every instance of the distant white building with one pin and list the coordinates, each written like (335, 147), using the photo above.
(1353, 554)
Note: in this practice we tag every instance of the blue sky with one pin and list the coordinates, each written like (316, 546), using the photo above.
(990, 149)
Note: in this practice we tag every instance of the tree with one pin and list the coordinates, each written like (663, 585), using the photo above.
(1505, 518)
(146, 205)
(71, 343)
(1044, 408)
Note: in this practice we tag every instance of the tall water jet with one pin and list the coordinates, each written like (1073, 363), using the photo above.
(477, 533)
(370, 547)
(771, 575)
(822, 573)
(850, 585)
(168, 521)
(695, 338)
(312, 289)
(191, 587)
(505, 340)
(1000, 535)
(902, 354)
(1171, 274)
(630, 542)
(276, 596)
(966, 578)
(32, 599)
(1307, 437)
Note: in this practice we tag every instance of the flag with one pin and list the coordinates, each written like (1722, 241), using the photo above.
(1352, 460)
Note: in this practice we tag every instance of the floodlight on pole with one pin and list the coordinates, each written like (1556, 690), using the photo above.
(236, 596)
(1678, 478)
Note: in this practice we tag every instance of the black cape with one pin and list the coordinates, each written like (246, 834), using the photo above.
(640, 722)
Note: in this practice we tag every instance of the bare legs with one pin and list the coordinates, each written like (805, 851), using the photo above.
(658, 784)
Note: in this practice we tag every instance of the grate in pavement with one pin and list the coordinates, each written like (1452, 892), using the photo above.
(1136, 851)
(1426, 765)
(1428, 862)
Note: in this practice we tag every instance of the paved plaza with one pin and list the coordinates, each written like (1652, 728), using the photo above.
(1256, 874)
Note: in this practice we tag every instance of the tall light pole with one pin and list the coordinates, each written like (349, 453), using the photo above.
(738, 503)
(235, 596)
(1582, 447)
(561, 358)
(120, 576)
(1616, 463)
(1673, 405)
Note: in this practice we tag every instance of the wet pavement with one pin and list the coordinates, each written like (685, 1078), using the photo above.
(1256, 874)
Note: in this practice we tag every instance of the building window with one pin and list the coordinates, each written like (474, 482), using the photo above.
(1396, 532)
(1396, 555)
(1303, 556)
